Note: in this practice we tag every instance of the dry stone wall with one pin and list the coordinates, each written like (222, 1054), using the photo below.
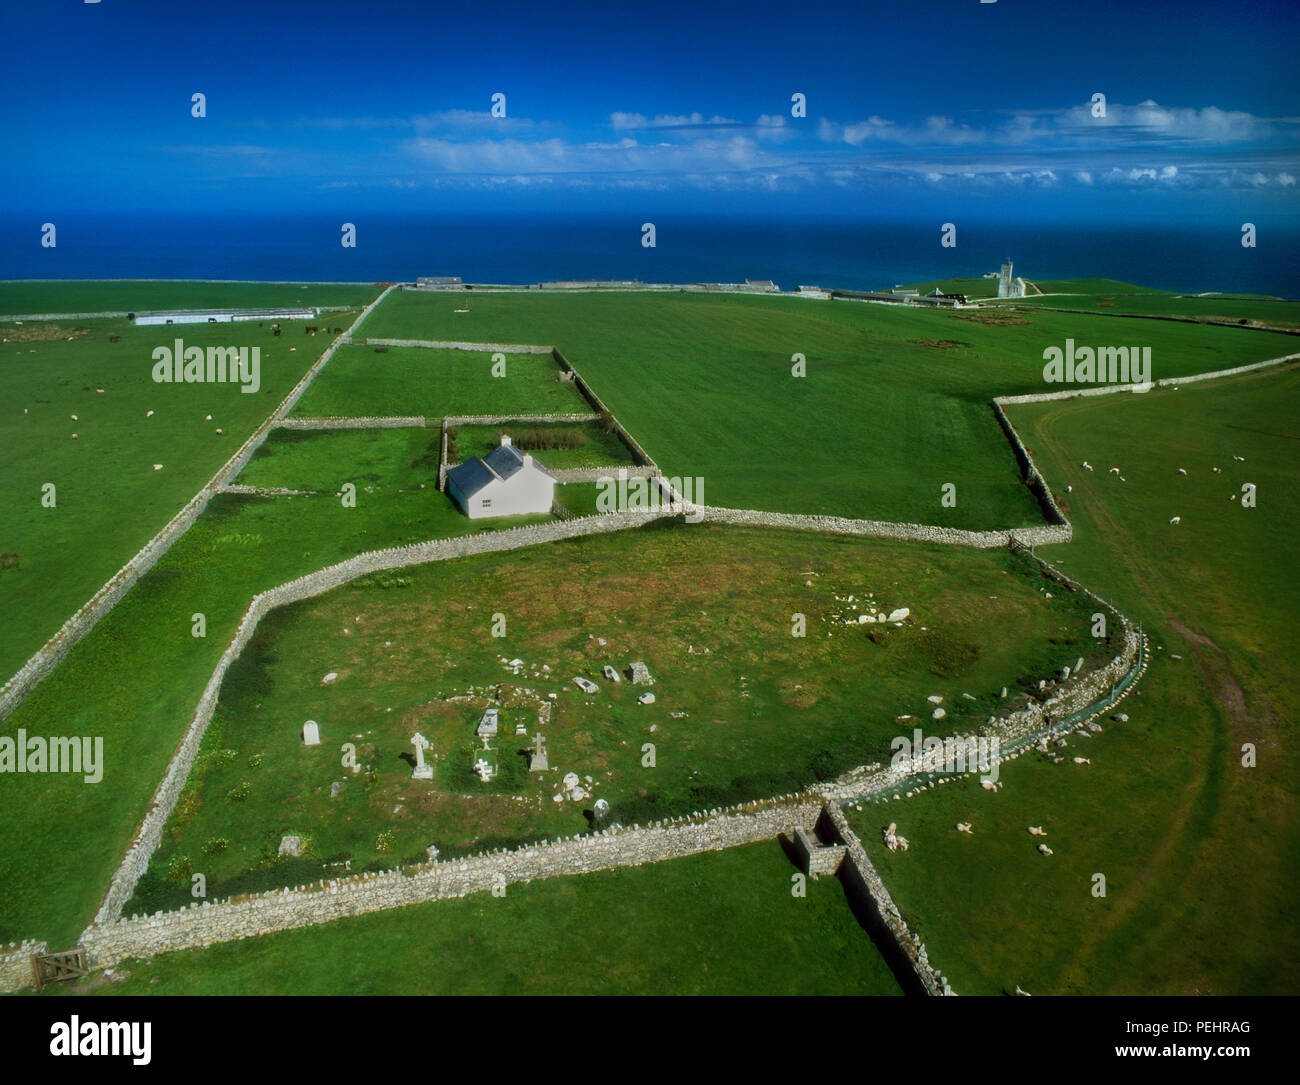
(838, 525)
(328, 900)
(1165, 382)
(16, 964)
(866, 890)
(438, 344)
(359, 422)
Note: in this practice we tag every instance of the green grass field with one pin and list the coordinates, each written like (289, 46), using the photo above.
(136, 678)
(1199, 852)
(895, 402)
(723, 923)
(1271, 311)
(110, 499)
(379, 462)
(83, 296)
(419, 381)
(761, 713)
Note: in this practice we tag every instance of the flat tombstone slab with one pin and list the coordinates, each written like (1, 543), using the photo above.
(310, 733)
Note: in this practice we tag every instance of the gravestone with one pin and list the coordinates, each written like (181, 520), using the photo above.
(290, 845)
(310, 733)
(485, 766)
(489, 724)
(646, 698)
(611, 674)
(640, 675)
(537, 760)
(422, 770)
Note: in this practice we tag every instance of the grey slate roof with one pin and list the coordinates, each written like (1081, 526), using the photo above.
(504, 460)
(470, 477)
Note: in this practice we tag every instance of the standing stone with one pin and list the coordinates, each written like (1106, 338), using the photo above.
(640, 674)
(310, 733)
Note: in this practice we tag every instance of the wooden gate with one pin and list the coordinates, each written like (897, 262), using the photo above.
(59, 967)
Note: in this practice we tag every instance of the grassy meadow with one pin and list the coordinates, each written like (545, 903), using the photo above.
(136, 678)
(720, 923)
(379, 462)
(1199, 852)
(422, 381)
(1271, 311)
(110, 499)
(894, 405)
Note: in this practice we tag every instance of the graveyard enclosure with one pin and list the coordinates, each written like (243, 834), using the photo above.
(743, 709)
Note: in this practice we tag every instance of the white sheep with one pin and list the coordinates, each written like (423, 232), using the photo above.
(1113, 471)
(963, 827)
(1036, 830)
(1175, 519)
(1182, 470)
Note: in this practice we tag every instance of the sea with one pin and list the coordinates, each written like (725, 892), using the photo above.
(522, 249)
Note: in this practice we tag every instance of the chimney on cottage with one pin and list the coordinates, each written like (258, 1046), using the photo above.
(505, 440)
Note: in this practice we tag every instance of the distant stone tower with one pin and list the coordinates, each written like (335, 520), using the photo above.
(1009, 287)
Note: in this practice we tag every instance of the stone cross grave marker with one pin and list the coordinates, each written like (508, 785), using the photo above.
(537, 760)
(422, 771)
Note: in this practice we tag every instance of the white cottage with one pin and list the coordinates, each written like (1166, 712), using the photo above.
(505, 482)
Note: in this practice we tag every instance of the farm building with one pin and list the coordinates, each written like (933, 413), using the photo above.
(220, 316)
(505, 482)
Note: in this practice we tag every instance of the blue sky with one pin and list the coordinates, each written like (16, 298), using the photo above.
(945, 109)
